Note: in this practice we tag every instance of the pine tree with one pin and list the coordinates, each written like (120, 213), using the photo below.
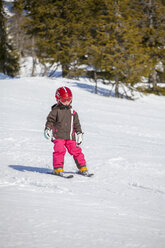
(57, 29)
(152, 26)
(16, 22)
(116, 50)
(8, 56)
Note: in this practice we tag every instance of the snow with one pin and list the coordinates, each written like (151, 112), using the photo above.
(8, 7)
(122, 206)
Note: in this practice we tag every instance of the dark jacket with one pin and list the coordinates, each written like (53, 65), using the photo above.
(64, 122)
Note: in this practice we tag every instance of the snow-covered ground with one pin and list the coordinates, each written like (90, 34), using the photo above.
(122, 206)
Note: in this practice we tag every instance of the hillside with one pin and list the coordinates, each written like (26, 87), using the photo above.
(122, 206)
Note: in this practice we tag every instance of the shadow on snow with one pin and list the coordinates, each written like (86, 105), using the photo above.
(24, 168)
(91, 88)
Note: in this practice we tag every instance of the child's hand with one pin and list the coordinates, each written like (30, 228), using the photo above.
(48, 133)
(79, 138)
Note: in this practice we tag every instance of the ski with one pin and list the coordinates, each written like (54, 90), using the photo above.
(70, 176)
(85, 175)
(61, 175)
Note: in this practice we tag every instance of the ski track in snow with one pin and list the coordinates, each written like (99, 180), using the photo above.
(123, 205)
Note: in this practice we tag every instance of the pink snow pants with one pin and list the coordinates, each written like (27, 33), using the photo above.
(60, 146)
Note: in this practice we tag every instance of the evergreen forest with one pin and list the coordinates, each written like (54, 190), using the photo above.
(118, 42)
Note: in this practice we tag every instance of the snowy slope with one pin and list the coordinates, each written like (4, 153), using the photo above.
(122, 206)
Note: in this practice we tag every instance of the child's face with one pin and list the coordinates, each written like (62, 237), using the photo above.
(66, 103)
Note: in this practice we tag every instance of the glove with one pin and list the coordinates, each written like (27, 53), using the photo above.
(79, 138)
(48, 133)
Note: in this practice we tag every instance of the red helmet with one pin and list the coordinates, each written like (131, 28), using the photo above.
(63, 94)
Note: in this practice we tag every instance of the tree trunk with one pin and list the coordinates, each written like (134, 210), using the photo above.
(117, 86)
(65, 70)
(34, 58)
(153, 79)
(150, 14)
(33, 67)
(95, 79)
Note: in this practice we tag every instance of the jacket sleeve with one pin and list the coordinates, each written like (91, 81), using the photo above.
(51, 119)
(77, 125)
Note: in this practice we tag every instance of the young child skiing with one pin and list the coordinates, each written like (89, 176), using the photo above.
(61, 125)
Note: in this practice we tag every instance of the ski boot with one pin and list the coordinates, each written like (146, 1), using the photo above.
(58, 171)
(83, 171)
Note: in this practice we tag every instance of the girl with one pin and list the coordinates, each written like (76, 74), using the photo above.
(61, 126)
